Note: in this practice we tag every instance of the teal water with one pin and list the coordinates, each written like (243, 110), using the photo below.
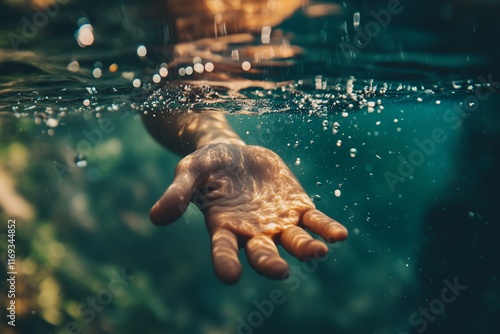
(399, 143)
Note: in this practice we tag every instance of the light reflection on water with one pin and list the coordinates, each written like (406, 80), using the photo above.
(241, 62)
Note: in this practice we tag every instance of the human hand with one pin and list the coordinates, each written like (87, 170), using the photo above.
(250, 199)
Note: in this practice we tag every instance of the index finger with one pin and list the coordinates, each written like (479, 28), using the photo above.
(174, 201)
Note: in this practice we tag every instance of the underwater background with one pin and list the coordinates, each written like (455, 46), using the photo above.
(386, 111)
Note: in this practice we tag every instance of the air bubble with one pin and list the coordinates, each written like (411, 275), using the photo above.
(52, 122)
(85, 35)
(97, 73)
(356, 19)
(163, 72)
(316, 198)
(353, 152)
(113, 68)
(136, 83)
(142, 51)
(209, 67)
(246, 66)
(80, 160)
(198, 68)
(73, 66)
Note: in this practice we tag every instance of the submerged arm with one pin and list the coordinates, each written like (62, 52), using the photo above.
(185, 133)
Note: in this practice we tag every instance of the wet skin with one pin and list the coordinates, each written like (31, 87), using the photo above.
(248, 195)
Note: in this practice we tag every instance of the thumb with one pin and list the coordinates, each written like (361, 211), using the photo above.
(174, 201)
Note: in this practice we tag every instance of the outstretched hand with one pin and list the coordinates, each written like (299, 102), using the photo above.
(250, 199)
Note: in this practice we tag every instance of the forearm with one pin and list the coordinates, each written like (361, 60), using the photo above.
(185, 133)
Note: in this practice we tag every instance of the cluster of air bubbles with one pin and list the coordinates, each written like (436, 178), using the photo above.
(343, 98)
(196, 67)
(317, 96)
(335, 127)
(98, 70)
(179, 98)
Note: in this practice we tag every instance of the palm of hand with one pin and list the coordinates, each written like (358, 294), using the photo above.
(249, 197)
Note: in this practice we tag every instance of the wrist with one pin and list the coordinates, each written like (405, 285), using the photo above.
(214, 129)
(221, 138)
